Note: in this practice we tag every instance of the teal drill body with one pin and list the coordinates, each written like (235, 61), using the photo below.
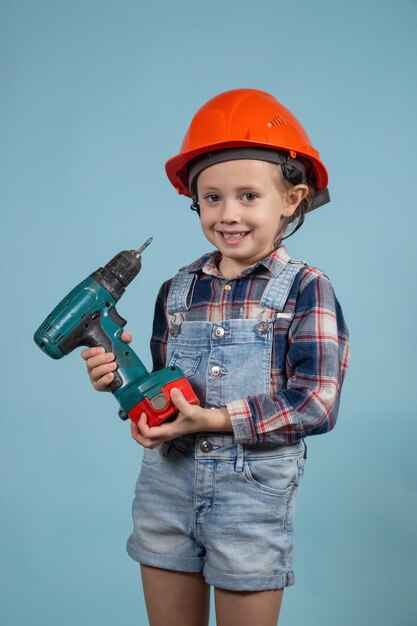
(87, 316)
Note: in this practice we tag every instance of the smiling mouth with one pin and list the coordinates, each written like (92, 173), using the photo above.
(232, 236)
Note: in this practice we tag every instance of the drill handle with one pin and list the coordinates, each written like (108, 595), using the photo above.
(103, 328)
(90, 333)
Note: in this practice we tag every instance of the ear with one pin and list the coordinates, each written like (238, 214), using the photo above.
(292, 199)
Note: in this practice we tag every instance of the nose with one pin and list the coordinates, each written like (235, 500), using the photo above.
(230, 212)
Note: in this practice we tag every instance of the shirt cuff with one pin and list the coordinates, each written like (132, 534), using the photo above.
(242, 422)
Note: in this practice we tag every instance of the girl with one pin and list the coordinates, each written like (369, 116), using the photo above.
(263, 341)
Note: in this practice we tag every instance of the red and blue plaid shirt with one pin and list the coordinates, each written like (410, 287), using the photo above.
(309, 359)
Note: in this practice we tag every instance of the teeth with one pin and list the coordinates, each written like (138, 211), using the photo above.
(233, 235)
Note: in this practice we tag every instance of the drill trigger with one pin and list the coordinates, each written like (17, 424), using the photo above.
(117, 319)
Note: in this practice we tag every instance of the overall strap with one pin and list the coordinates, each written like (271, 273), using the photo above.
(274, 296)
(180, 292)
(278, 288)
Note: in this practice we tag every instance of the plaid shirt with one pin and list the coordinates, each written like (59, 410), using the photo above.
(309, 359)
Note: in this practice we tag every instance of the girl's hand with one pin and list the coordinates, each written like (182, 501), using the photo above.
(190, 419)
(102, 364)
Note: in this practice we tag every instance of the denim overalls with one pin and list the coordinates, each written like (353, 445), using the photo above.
(231, 359)
(204, 502)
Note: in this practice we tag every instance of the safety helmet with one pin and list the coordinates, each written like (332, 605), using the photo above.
(245, 118)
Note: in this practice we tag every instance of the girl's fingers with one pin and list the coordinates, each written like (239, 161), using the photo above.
(138, 435)
(180, 402)
(91, 352)
(103, 383)
(145, 436)
(102, 359)
(102, 370)
(134, 430)
(143, 425)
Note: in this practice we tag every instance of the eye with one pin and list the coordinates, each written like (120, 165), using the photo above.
(249, 196)
(212, 197)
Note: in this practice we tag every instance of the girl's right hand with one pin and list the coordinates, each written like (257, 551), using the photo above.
(102, 364)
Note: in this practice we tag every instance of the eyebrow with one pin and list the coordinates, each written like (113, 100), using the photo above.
(248, 187)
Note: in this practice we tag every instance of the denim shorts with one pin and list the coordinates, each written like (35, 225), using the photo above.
(206, 504)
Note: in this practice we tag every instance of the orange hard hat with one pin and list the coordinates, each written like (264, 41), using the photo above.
(243, 118)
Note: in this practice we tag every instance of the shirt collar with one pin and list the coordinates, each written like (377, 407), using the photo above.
(208, 263)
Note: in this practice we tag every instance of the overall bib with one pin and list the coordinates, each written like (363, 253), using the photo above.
(204, 502)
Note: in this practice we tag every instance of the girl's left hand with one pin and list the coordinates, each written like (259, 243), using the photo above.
(190, 419)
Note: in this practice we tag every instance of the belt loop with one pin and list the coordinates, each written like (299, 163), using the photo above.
(305, 449)
(240, 456)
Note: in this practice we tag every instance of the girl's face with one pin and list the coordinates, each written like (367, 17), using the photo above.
(242, 205)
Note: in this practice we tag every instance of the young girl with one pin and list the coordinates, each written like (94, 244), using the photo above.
(263, 341)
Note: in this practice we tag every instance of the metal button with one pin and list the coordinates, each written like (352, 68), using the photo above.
(227, 287)
(216, 371)
(219, 332)
(206, 446)
(174, 330)
(262, 327)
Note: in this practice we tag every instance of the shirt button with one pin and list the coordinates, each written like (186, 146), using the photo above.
(216, 371)
(219, 332)
(206, 446)
(227, 287)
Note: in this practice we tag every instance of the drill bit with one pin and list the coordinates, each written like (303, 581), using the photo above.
(143, 247)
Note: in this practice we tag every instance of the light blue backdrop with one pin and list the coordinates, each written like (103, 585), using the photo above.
(95, 96)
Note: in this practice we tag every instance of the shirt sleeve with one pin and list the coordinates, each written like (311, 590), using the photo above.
(316, 364)
(159, 339)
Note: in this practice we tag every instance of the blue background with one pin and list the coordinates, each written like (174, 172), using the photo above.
(95, 96)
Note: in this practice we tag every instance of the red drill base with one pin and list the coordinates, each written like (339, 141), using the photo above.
(160, 408)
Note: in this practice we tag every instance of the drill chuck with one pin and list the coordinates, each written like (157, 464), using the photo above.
(118, 273)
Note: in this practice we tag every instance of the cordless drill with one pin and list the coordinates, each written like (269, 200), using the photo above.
(87, 316)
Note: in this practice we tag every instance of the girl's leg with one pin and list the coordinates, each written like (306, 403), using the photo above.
(247, 608)
(175, 598)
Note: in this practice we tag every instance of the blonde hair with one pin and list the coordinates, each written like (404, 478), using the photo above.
(284, 186)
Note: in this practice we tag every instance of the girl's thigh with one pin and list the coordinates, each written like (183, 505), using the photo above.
(247, 608)
(175, 598)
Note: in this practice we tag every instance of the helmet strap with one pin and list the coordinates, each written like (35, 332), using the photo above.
(300, 223)
(195, 206)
